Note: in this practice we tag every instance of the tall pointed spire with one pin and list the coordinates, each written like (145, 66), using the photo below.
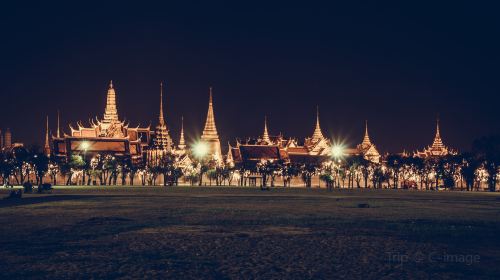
(161, 118)
(210, 135)
(265, 136)
(46, 148)
(162, 138)
(438, 142)
(58, 125)
(182, 142)
(366, 138)
(317, 134)
(210, 130)
(110, 113)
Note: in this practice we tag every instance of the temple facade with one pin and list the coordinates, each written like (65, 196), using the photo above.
(108, 135)
(437, 149)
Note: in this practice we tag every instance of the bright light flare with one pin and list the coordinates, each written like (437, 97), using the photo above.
(200, 149)
(337, 151)
(85, 145)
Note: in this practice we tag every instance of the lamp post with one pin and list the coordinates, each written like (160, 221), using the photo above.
(337, 153)
(84, 146)
(200, 151)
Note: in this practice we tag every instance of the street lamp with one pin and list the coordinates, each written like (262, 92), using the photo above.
(84, 146)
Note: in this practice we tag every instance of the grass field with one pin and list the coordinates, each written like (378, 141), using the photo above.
(208, 232)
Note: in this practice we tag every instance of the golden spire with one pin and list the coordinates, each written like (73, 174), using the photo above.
(110, 113)
(162, 119)
(317, 134)
(366, 138)
(265, 136)
(210, 135)
(58, 125)
(210, 130)
(182, 142)
(46, 148)
(438, 142)
(162, 138)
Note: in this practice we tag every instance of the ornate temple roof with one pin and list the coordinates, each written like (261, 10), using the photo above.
(317, 134)
(367, 148)
(162, 138)
(366, 138)
(437, 148)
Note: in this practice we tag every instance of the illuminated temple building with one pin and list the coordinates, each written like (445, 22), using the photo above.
(315, 149)
(109, 135)
(437, 149)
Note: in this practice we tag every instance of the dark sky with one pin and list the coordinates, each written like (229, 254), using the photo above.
(396, 64)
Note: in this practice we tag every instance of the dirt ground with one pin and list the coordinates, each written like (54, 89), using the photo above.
(246, 233)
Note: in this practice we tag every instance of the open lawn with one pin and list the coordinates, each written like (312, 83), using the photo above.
(208, 232)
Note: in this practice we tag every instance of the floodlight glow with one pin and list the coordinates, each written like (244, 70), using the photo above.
(200, 149)
(337, 151)
(85, 145)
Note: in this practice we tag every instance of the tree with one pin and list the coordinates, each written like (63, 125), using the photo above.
(487, 150)
(41, 166)
(307, 171)
(395, 163)
(288, 171)
(110, 169)
(20, 163)
(6, 166)
(76, 163)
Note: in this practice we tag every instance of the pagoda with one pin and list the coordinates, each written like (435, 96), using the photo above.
(437, 149)
(210, 135)
(162, 142)
(367, 148)
(317, 144)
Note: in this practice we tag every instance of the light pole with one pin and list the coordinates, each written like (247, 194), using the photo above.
(200, 151)
(337, 153)
(84, 146)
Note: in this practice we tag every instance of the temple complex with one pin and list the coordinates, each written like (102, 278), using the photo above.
(107, 136)
(437, 149)
(210, 135)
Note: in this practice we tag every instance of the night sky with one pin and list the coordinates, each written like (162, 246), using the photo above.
(397, 66)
